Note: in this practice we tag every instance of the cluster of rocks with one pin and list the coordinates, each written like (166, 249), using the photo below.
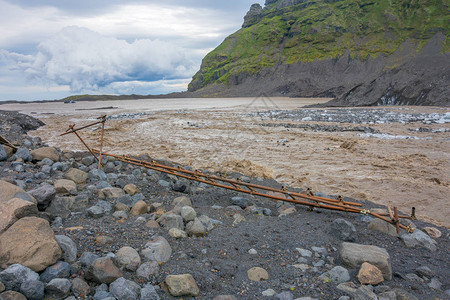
(69, 230)
(326, 128)
(14, 125)
(353, 116)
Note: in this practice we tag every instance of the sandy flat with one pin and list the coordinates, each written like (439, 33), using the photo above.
(221, 134)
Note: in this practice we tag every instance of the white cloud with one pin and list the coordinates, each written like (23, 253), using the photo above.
(108, 46)
(143, 87)
(86, 60)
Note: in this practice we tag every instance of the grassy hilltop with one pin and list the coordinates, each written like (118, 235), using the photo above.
(285, 32)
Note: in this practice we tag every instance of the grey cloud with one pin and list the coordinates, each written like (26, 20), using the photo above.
(90, 7)
(85, 60)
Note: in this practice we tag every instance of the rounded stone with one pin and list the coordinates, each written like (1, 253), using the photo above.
(139, 208)
(33, 289)
(124, 289)
(257, 274)
(80, 288)
(60, 269)
(157, 249)
(65, 186)
(182, 201)
(11, 295)
(128, 258)
(68, 247)
(77, 176)
(45, 152)
(177, 233)
(433, 232)
(13, 276)
(181, 285)
(147, 270)
(188, 213)
(58, 288)
(369, 274)
(130, 189)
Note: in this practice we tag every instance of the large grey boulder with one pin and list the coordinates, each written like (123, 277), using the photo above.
(13, 276)
(128, 258)
(99, 209)
(60, 269)
(170, 220)
(24, 154)
(382, 226)
(43, 195)
(157, 249)
(125, 289)
(33, 289)
(80, 288)
(337, 275)
(68, 247)
(418, 239)
(353, 255)
(61, 206)
(148, 292)
(58, 288)
(343, 230)
(188, 213)
(87, 259)
(196, 228)
(147, 270)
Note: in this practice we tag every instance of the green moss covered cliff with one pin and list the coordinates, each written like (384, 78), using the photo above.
(287, 32)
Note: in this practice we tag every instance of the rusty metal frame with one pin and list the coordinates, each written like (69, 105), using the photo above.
(74, 130)
(308, 199)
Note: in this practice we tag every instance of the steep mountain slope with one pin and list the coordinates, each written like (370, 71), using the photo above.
(363, 52)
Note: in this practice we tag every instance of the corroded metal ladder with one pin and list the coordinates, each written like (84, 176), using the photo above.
(282, 194)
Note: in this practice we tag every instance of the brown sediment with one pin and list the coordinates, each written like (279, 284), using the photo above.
(402, 173)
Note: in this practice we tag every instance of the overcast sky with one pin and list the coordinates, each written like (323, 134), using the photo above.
(50, 49)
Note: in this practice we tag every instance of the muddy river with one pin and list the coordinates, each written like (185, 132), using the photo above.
(396, 156)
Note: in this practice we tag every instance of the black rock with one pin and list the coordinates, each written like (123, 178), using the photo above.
(179, 187)
(44, 196)
(33, 289)
(59, 270)
(239, 201)
(344, 230)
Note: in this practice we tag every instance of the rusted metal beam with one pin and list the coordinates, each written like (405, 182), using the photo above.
(236, 185)
(73, 130)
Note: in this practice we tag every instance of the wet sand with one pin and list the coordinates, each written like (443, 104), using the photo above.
(221, 134)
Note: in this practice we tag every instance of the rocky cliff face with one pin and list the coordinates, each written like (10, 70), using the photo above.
(361, 52)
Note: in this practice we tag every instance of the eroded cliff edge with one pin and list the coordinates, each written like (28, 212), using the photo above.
(360, 52)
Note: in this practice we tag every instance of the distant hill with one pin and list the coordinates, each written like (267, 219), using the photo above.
(87, 97)
(361, 52)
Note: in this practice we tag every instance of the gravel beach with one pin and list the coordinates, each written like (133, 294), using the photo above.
(127, 232)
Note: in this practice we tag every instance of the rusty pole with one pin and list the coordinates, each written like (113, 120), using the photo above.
(101, 142)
